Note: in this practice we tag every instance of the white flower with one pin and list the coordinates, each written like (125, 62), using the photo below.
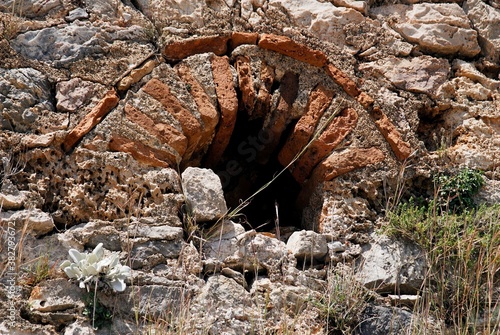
(89, 268)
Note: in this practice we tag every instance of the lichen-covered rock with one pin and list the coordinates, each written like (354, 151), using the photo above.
(204, 195)
(380, 320)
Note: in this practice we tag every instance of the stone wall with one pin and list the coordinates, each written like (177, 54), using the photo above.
(117, 117)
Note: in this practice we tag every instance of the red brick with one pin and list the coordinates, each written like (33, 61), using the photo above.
(181, 49)
(329, 139)
(288, 47)
(245, 80)
(190, 125)
(142, 153)
(239, 38)
(228, 103)
(166, 133)
(90, 120)
(208, 112)
(401, 149)
(319, 100)
(343, 80)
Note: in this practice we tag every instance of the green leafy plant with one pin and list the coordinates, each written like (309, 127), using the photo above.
(101, 316)
(455, 192)
(462, 245)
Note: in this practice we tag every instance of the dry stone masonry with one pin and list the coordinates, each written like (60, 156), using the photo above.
(143, 124)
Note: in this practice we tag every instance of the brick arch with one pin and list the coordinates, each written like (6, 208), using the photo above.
(191, 126)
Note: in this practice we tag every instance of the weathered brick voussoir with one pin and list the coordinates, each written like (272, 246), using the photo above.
(339, 77)
(90, 120)
(165, 133)
(141, 152)
(239, 38)
(228, 104)
(181, 49)
(208, 113)
(331, 137)
(288, 47)
(190, 125)
(246, 83)
(401, 149)
(319, 100)
(338, 164)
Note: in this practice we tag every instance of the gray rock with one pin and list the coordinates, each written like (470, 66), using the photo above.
(75, 41)
(75, 93)
(35, 221)
(10, 196)
(79, 327)
(204, 195)
(422, 74)
(437, 28)
(163, 232)
(336, 246)
(24, 94)
(31, 8)
(307, 245)
(380, 320)
(391, 266)
(56, 295)
(148, 253)
(222, 242)
(77, 14)
(231, 305)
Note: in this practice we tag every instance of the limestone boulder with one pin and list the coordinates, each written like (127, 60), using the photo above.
(436, 28)
(79, 40)
(56, 302)
(33, 8)
(204, 195)
(307, 245)
(423, 74)
(227, 299)
(35, 221)
(320, 18)
(391, 266)
(25, 94)
(486, 20)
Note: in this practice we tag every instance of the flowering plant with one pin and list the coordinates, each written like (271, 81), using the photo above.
(89, 268)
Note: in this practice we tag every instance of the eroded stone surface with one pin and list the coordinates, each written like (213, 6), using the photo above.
(204, 196)
(392, 266)
(486, 21)
(439, 28)
(108, 102)
(134, 205)
(307, 245)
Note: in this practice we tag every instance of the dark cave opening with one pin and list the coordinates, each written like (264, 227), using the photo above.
(244, 169)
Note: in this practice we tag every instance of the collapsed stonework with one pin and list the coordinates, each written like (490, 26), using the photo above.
(120, 118)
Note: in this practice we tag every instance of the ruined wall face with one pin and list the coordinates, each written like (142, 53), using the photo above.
(103, 104)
